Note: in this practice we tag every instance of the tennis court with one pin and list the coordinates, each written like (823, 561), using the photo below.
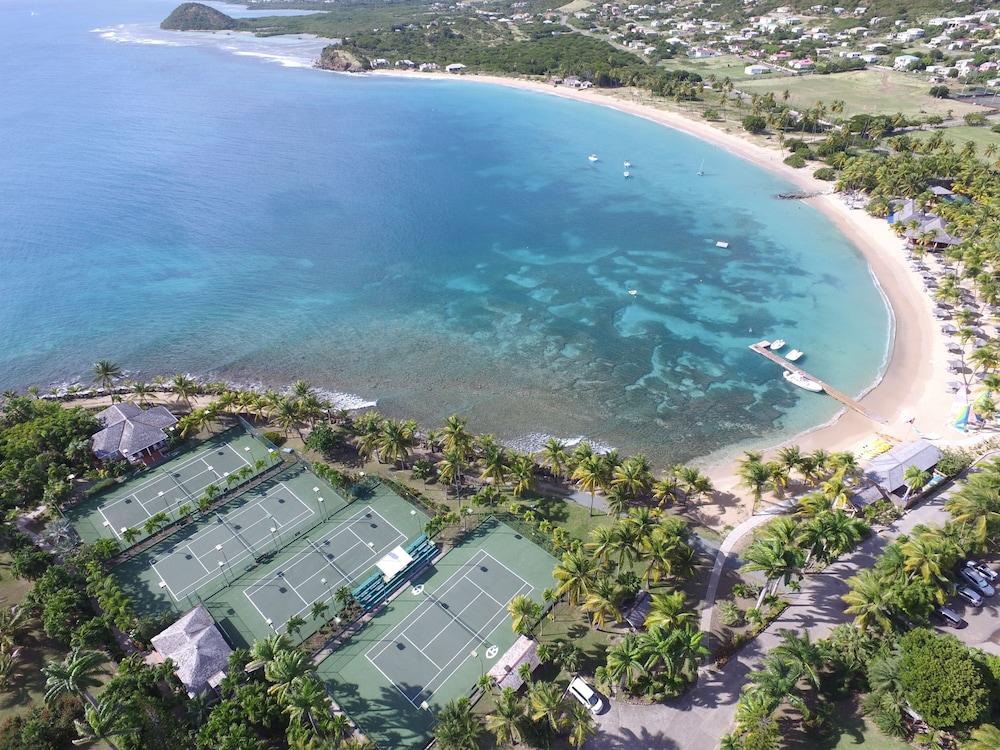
(169, 486)
(431, 644)
(335, 559)
(210, 553)
(339, 552)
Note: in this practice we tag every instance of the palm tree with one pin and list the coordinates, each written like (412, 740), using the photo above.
(507, 719)
(631, 477)
(923, 558)
(668, 611)
(915, 479)
(580, 725)
(284, 669)
(602, 603)
(554, 457)
(105, 721)
(576, 573)
(450, 468)
(755, 476)
(395, 441)
(184, 387)
(287, 415)
(602, 543)
(522, 472)
(546, 705)
(495, 466)
(294, 625)
(74, 675)
(869, 600)
(458, 728)
(803, 654)
(306, 702)
(523, 612)
(455, 436)
(106, 373)
(142, 391)
(264, 651)
(319, 609)
(775, 560)
(665, 490)
(626, 660)
(986, 737)
(589, 475)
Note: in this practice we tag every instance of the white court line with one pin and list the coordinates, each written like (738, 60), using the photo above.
(484, 591)
(400, 632)
(245, 553)
(373, 554)
(479, 636)
(161, 578)
(455, 617)
(457, 576)
(422, 652)
(110, 525)
(198, 558)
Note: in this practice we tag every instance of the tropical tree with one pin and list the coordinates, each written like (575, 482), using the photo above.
(576, 573)
(76, 674)
(869, 600)
(284, 668)
(777, 561)
(602, 602)
(626, 660)
(915, 479)
(579, 724)
(307, 702)
(458, 727)
(523, 612)
(506, 723)
(986, 737)
(395, 441)
(106, 374)
(668, 611)
(589, 475)
(184, 387)
(555, 457)
(545, 705)
(106, 722)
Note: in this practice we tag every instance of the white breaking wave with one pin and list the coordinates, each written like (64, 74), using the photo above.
(286, 61)
(535, 441)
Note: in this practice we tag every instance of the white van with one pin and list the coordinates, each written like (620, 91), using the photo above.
(580, 690)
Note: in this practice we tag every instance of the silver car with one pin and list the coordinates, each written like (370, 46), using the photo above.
(984, 570)
(971, 596)
(974, 579)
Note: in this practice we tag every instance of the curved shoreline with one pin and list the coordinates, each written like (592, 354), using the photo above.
(912, 377)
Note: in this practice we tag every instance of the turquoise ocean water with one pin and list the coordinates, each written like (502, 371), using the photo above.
(436, 247)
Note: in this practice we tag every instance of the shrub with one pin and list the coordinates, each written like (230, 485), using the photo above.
(825, 173)
(975, 119)
(275, 438)
(324, 439)
(745, 590)
(795, 160)
(730, 614)
(996, 128)
(954, 461)
(711, 114)
(940, 92)
(93, 634)
(754, 124)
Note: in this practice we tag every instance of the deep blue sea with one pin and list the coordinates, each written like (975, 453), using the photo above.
(212, 205)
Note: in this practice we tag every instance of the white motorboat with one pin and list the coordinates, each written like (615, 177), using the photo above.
(802, 382)
(626, 174)
(777, 344)
(633, 292)
(722, 243)
(627, 164)
(794, 355)
(592, 157)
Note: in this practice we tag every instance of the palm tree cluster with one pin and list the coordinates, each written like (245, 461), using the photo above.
(292, 680)
(910, 578)
(784, 547)
(791, 677)
(601, 576)
(77, 674)
(976, 506)
(537, 717)
(13, 626)
(760, 476)
(389, 440)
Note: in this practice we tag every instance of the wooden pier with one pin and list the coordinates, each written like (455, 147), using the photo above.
(840, 396)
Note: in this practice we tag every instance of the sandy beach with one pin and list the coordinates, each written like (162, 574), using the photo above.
(911, 395)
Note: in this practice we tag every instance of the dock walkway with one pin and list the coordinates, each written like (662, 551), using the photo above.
(840, 396)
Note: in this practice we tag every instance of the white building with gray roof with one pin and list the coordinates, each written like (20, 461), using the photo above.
(196, 647)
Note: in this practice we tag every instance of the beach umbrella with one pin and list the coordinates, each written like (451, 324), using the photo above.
(954, 386)
(956, 364)
(949, 329)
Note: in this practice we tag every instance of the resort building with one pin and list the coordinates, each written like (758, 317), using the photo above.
(886, 473)
(756, 70)
(131, 432)
(196, 647)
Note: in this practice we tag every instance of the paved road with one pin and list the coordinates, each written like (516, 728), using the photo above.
(698, 719)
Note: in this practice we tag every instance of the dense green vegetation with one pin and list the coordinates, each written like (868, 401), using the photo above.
(197, 17)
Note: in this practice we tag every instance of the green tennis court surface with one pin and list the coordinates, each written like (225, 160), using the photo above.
(339, 552)
(431, 643)
(164, 489)
(207, 555)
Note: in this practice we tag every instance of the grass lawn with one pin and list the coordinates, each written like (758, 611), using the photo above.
(850, 731)
(722, 67)
(959, 134)
(863, 92)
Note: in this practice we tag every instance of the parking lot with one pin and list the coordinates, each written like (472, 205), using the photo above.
(983, 629)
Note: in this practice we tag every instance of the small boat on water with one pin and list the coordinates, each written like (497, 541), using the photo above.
(701, 169)
(802, 382)
(592, 157)
(776, 344)
(722, 243)
(794, 355)
(633, 292)
(627, 164)
(626, 174)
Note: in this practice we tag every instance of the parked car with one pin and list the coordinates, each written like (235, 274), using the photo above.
(951, 617)
(970, 595)
(584, 693)
(977, 581)
(984, 570)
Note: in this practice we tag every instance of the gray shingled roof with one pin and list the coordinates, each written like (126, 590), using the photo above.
(196, 647)
(887, 469)
(129, 429)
